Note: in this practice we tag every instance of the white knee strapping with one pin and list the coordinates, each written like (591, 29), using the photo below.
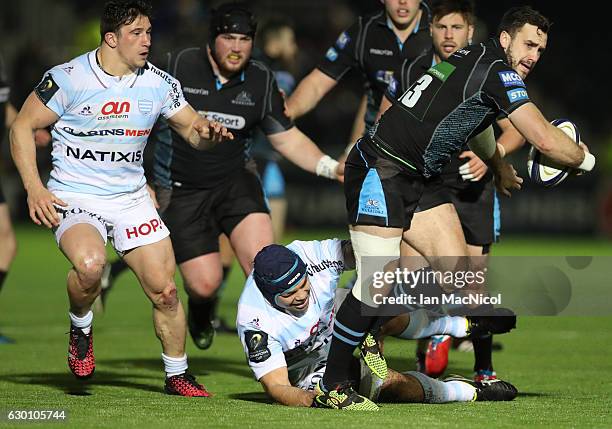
(364, 245)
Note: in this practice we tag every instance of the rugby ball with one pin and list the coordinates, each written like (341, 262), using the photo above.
(542, 169)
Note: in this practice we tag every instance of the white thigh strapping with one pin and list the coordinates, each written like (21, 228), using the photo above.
(368, 245)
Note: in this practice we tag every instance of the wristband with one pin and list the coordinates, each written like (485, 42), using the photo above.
(588, 163)
(501, 149)
(326, 167)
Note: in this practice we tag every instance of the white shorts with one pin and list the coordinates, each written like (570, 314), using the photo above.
(130, 220)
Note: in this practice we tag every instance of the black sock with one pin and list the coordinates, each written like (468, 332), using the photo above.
(350, 327)
(380, 320)
(2, 277)
(483, 350)
(201, 309)
(117, 267)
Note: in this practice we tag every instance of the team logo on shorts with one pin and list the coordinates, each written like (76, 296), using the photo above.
(145, 106)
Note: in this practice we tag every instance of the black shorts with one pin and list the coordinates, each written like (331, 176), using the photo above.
(478, 209)
(435, 194)
(196, 217)
(379, 191)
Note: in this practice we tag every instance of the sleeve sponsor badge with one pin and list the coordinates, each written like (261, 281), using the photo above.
(257, 345)
(46, 89)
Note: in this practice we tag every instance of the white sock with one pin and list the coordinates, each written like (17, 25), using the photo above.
(458, 391)
(174, 366)
(424, 324)
(82, 322)
(439, 392)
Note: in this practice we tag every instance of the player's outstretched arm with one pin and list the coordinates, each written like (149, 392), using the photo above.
(277, 386)
(548, 139)
(299, 149)
(308, 93)
(33, 115)
(199, 132)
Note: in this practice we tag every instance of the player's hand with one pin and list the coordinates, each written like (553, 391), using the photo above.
(506, 178)
(41, 206)
(212, 131)
(42, 137)
(584, 147)
(153, 196)
(474, 169)
(577, 171)
(340, 170)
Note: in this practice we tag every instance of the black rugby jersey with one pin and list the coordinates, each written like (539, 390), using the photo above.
(248, 100)
(371, 47)
(4, 98)
(452, 102)
(408, 73)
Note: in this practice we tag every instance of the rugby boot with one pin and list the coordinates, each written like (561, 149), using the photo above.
(81, 360)
(436, 357)
(343, 397)
(492, 390)
(185, 385)
(485, 375)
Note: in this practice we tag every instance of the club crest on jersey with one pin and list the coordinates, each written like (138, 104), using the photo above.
(342, 41)
(243, 99)
(392, 88)
(145, 106)
(384, 76)
(509, 78)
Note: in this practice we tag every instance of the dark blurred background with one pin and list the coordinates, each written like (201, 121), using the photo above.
(570, 81)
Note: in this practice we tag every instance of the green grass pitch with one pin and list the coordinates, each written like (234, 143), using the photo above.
(562, 366)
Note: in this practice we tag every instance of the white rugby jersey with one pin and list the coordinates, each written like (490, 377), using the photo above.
(104, 122)
(272, 338)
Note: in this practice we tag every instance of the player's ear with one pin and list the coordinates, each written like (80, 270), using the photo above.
(505, 39)
(470, 34)
(111, 39)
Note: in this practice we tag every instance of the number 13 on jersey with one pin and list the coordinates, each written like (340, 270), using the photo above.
(416, 99)
(410, 97)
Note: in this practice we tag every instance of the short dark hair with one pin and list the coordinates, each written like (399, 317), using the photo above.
(122, 12)
(442, 8)
(515, 18)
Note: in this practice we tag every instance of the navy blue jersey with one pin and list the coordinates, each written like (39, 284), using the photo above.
(250, 99)
(452, 102)
(371, 47)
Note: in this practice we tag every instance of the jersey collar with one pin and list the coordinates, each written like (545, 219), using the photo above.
(496, 47)
(105, 79)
